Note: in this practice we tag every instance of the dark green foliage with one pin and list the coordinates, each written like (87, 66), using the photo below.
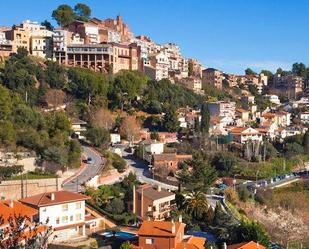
(225, 163)
(48, 25)
(55, 75)
(243, 194)
(7, 172)
(127, 86)
(63, 15)
(205, 119)
(116, 206)
(299, 69)
(249, 71)
(85, 84)
(270, 150)
(201, 176)
(293, 149)
(82, 12)
(74, 154)
(170, 120)
(98, 137)
(251, 230)
(164, 94)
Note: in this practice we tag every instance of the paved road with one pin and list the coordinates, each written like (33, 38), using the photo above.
(141, 170)
(89, 171)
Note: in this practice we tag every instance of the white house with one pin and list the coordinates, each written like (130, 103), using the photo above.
(153, 147)
(115, 138)
(244, 134)
(64, 211)
(273, 99)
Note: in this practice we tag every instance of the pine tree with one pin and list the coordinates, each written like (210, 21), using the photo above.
(306, 142)
(205, 119)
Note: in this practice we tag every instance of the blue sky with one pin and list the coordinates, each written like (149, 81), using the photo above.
(227, 34)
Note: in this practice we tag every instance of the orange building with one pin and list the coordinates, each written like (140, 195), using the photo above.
(150, 202)
(166, 235)
(246, 245)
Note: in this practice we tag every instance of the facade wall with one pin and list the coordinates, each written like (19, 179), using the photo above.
(20, 189)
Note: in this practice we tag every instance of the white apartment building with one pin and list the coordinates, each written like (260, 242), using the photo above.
(92, 33)
(41, 43)
(64, 211)
(244, 134)
(223, 109)
(153, 147)
(158, 66)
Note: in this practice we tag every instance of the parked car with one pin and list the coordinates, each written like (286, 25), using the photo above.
(89, 160)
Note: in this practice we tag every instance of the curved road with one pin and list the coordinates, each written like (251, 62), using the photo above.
(89, 170)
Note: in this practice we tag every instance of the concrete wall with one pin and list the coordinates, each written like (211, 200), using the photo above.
(20, 189)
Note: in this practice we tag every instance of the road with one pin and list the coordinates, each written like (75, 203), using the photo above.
(89, 170)
(141, 170)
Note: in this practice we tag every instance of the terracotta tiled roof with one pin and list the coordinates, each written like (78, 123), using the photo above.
(42, 200)
(238, 129)
(154, 194)
(241, 110)
(16, 208)
(246, 245)
(159, 228)
(268, 115)
(165, 157)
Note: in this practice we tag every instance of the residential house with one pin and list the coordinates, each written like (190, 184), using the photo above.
(158, 66)
(280, 118)
(79, 127)
(304, 117)
(115, 138)
(274, 99)
(243, 115)
(212, 77)
(269, 130)
(152, 202)
(6, 47)
(64, 211)
(197, 68)
(288, 86)
(246, 245)
(167, 235)
(11, 210)
(167, 137)
(193, 83)
(224, 110)
(153, 147)
(244, 134)
(169, 161)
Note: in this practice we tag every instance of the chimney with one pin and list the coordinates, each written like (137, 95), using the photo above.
(159, 188)
(52, 196)
(224, 246)
(173, 227)
(11, 204)
(180, 218)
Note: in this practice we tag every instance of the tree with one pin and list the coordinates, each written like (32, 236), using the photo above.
(103, 118)
(98, 137)
(231, 195)
(7, 133)
(205, 120)
(271, 151)
(299, 69)
(126, 245)
(21, 232)
(130, 128)
(190, 68)
(5, 103)
(249, 71)
(48, 25)
(82, 12)
(293, 149)
(116, 206)
(170, 120)
(196, 203)
(126, 87)
(251, 230)
(202, 174)
(306, 142)
(55, 75)
(63, 15)
(74, 154)
(55, 97)
(224, 162)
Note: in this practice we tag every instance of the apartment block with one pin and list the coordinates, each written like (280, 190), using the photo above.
(223, 109)
(152, 202)
(212, 77)
(288, 86)
(197, 68)
(157, 67)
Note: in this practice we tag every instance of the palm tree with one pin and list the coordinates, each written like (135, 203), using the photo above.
(196, 203)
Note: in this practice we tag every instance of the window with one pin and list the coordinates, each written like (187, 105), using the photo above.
(71, 218)
(57, 220)
(149, 241)
(78, 205)
(44, 210)
(65, 219)
(65, 207)
(78, 217)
